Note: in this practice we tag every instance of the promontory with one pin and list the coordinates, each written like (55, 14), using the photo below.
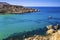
(8, 8)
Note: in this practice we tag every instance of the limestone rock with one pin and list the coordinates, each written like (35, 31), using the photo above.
(50, 31)
(55, 36)
(49, 27)
(56, 27)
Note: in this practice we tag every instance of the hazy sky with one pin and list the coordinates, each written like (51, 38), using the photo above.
(34, 2)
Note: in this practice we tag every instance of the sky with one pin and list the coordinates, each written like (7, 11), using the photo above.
(54, 3)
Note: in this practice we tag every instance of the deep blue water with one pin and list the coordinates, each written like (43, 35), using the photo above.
(15, 23)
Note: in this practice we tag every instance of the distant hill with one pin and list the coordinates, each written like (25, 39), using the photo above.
(8, 8)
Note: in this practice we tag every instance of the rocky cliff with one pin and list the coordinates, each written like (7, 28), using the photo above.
(8, 8)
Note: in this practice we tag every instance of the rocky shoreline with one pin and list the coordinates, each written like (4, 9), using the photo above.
(52, 33)
(47, 33)
(14, 9)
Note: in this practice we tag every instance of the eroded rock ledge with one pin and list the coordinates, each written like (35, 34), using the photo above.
(8, 8)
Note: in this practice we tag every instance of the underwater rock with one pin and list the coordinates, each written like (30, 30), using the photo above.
(23, 35)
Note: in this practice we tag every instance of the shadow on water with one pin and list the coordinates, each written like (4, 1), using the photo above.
(22, 35)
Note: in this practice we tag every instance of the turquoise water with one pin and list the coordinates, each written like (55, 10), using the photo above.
(15, 23)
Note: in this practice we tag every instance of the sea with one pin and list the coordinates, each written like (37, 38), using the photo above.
(15, 23)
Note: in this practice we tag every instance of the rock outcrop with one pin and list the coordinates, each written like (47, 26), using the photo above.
(51, 35)
(8, 8)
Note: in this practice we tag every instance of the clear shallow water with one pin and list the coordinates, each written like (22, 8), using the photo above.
(15, 23)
